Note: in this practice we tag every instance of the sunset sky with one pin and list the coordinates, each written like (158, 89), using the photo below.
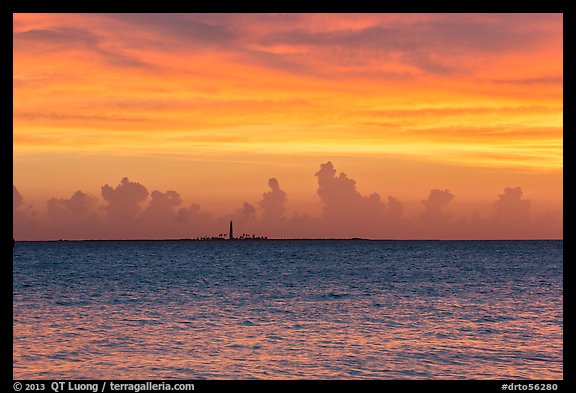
(213, 106)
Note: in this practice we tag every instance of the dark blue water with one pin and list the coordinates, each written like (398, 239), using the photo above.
(288, 310)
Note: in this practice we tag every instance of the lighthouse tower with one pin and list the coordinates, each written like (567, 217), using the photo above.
(231, 232)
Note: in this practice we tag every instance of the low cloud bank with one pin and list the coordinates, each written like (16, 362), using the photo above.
(130, 211)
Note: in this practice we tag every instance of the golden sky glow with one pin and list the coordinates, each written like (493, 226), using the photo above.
(203, 103)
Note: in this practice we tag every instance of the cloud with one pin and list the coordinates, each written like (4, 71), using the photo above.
(544, 80)
(122, 60)
(227, 33)
(335, 190)
(477, 35)
(179, 27)
(428, 43)
(124, 200)
(463, 111)
(58, 38)
(73, 218)
(246, 213)
(64, 38)
(438, 32)
(273, 202)
(395, 209)
(346, 213)
(511, 208)
(161, 206)
(278, 61)
(78, 208)
(24, 220)
(17, 200)
(187, 215)
(160, 219)
(436, 222)
(344, 207)
(64, 117)
(436, 200)
(192, 222)
(430, 63)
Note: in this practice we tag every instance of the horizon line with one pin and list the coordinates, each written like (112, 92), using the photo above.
(273, 239)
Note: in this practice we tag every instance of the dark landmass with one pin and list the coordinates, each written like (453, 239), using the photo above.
(264, 238)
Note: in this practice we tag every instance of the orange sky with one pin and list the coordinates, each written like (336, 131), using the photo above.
(215, 105)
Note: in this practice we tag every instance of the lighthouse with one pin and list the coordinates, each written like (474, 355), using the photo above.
(231, 232)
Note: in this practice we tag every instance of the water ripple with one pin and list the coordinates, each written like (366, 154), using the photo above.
(277, 310)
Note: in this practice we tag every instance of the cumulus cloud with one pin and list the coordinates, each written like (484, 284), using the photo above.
(23, 217)
(248, 212)
(73, 218)
(273, 202)
(161, 206)
(79, 207)
(123, 201)
(159, 216)
(512, 215)
(190, 214)
(511, 207)
(435, 203)
(344, 207)
(346, 213)
(434, 222)
(193, 222)
(395, 208)
(17, 200)
(335, 190)
(245, 215)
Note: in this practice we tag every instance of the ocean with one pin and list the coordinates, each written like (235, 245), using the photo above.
(288, 309)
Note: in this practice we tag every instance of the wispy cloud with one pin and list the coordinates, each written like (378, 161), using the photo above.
(179, 27)
(544, 80)
(69, 39)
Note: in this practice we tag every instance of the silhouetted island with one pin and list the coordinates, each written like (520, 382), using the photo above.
(222, 236)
